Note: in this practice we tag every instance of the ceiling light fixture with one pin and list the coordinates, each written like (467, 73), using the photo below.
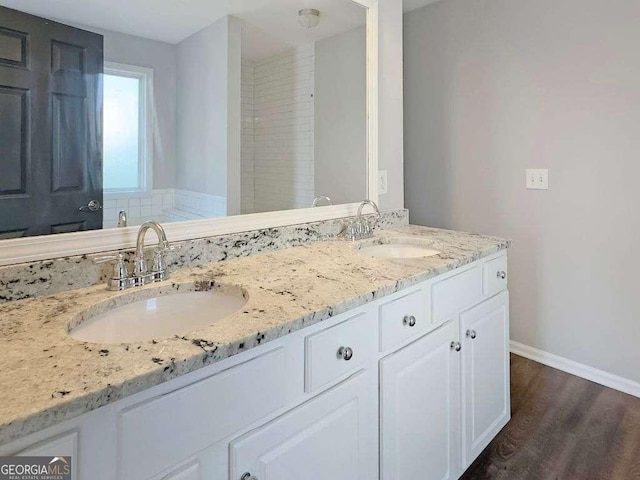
(309, 17)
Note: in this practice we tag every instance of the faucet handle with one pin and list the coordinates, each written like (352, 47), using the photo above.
(119, 276)
(159, 263)
(159, 267)
(119, 268)
(367, 228)
(351, 231)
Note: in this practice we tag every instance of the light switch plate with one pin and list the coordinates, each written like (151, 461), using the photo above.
(383, 185)
(537, 179)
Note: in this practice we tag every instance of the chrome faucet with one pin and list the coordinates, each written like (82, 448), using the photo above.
(361, 228)
(317, 200)
(122, 219)
(120, 278)
(141, 274)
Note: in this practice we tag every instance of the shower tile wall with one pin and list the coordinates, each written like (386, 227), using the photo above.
(280, 157)
(247, 150)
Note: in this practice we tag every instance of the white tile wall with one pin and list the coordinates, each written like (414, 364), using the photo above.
(140, 206)
(283, 124)
(193, 205)
(161, 206)
(247, 160)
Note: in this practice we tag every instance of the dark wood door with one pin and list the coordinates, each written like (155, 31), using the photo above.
(50, 126)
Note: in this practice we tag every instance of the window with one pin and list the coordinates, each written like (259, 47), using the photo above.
(127, 142)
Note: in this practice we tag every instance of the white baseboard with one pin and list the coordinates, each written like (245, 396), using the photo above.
(578, 369)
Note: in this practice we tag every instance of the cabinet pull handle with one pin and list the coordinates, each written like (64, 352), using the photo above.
(457, 346)
(409, 320)
(471, 334)
(346, 353)
(501, 274)
(248, 476)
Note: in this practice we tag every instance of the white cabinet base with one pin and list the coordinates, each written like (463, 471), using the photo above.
(420, 409)
(423, 391)
(485, 374)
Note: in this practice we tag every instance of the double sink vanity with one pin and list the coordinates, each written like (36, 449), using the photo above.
(381, 358)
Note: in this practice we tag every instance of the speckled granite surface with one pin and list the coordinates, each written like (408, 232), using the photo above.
(47, 277)
(48, 377)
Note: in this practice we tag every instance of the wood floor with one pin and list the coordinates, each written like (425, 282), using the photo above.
(562, 428)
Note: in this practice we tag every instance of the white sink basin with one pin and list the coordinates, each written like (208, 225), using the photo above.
(158, 317)
(399, 248)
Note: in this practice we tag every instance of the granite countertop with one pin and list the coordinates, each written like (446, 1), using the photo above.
(47, 377)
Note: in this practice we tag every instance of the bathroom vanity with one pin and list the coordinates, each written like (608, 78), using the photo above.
(340, 366)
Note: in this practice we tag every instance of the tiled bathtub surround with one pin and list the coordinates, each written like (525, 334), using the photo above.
(190, 205)
(170, 204)
(62, 274)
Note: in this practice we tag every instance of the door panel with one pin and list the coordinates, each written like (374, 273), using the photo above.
(14, 128)
(67, 58)
(485, 373)
(13, 48)
(333, 436)
(420, 409)
(50, 125)
(69, 143)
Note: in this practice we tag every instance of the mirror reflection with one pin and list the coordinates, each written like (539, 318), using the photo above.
(116, 112)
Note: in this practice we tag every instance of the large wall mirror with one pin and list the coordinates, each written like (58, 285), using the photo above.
(114, 112)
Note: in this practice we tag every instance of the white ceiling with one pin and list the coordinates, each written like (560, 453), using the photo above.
(275, 27)
(174, 20)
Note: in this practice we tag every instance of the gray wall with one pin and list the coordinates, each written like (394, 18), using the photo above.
(162, 59)
(390, 95)
(496, 86)
(207, 93)
(340, 110)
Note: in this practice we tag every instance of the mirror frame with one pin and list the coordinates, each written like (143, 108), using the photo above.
(28, 249)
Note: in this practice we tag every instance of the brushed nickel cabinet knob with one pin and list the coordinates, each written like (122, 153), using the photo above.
(346, 353)
(409, 320)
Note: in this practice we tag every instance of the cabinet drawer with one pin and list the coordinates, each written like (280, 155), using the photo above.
(451, 295)
(402, 319)
(324, 364)
(495, 276)
(160, 433)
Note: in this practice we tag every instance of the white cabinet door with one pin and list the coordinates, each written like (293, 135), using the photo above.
(332, 436)
(65, 445)
(420, 409)
(485, 373)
